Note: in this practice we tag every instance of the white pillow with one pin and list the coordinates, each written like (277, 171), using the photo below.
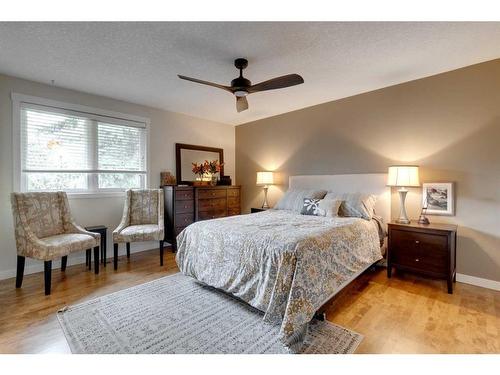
(355, 204)
(329, 207)
(294, 199)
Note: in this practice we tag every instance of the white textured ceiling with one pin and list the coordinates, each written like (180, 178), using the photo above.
(139, 62)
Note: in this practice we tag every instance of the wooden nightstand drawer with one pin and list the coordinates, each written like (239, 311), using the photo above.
(422, 251)
(427, 249)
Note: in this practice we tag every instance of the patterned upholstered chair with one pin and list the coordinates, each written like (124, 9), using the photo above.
(45, 230)
(142, 220)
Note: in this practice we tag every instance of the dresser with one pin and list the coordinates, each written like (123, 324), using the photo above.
(425, 249)
(186, 204)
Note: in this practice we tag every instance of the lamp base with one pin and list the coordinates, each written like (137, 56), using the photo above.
(265, 205)
(402, 221)
(403, 217)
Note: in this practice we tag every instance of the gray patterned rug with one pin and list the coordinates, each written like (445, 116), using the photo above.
(175, 314)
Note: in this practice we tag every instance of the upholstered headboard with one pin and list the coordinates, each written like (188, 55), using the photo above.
(371, 183)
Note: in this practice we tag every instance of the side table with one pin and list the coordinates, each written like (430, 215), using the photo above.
(102, 230)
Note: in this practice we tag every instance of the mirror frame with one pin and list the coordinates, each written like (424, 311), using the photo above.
(184, 146)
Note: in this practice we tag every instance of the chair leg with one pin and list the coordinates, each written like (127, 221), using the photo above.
(64, 262)
(89, 258)
(115, 255)
(104, 252)
(128, 250)
(96, 260)
(20, 270)
(103, 249)
(86, 258)
(161, 253)
(47, 267)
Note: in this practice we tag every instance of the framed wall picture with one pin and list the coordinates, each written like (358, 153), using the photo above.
(438, 198)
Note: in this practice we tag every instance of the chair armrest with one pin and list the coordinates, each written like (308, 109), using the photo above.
(125, 221)
(72, 227)
(161, 210)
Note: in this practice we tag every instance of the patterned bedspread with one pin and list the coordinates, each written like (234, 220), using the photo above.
(282, 263)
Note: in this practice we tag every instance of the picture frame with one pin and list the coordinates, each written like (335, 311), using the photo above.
(438, 198)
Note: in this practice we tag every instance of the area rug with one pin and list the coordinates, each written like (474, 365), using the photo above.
(175, 314)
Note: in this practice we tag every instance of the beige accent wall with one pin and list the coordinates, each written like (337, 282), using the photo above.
(166, 129)
(448, 124)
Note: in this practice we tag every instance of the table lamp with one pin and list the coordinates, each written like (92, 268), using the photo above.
(403, 176)
(265, 179)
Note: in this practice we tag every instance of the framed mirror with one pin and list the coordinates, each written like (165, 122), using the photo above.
(186, 154)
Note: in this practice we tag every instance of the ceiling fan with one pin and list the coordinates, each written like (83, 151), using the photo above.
(241, 87)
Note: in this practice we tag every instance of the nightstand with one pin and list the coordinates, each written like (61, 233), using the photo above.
(254, 210)
(425, 249)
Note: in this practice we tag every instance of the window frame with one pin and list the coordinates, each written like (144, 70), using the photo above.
(18, 176)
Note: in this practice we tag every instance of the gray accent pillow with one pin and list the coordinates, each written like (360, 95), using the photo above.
(355, 204)
(321, 207)
(311, 207)
(294, 199)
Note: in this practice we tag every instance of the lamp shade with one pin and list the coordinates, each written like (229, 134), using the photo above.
(265, 178)
(403, 176)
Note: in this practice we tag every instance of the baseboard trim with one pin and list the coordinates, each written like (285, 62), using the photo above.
(478, 281)
(37, 266)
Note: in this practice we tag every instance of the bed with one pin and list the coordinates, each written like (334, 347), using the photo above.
(282, 263)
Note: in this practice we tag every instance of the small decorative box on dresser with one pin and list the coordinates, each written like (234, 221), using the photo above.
(426, 249)
(187, 204)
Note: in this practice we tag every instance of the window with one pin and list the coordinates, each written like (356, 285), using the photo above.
(80, 152)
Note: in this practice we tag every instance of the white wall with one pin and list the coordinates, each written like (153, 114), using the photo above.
(166, 129)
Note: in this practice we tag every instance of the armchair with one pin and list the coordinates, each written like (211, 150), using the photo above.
(142, 220)
(45, 230)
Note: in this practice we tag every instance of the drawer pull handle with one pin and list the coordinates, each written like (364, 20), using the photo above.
(417, 260)
(417, 241)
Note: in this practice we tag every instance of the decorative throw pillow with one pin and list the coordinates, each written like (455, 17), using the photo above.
(355, 204)
(294, 199)
(311, 207)
(320, 207)
(330, 207)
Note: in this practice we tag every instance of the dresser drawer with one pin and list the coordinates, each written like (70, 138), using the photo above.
(233, 202)
(184, 206)
(182, 220)
(211, 204)
(212, 214)
(184, 194)
(422, 251)
(233, 211)
(211, 193)
(233, 192)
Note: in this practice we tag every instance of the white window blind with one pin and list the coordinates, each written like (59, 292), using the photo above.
(80, 152)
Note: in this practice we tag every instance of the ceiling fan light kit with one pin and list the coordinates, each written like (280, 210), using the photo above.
(241, 87)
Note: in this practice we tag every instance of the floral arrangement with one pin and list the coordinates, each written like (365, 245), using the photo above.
(209, 168)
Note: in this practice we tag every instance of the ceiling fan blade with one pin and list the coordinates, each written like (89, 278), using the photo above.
(241, 103)
(277, 83)
(205, 83)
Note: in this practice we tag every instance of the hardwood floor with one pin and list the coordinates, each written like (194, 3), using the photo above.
(405, 314)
